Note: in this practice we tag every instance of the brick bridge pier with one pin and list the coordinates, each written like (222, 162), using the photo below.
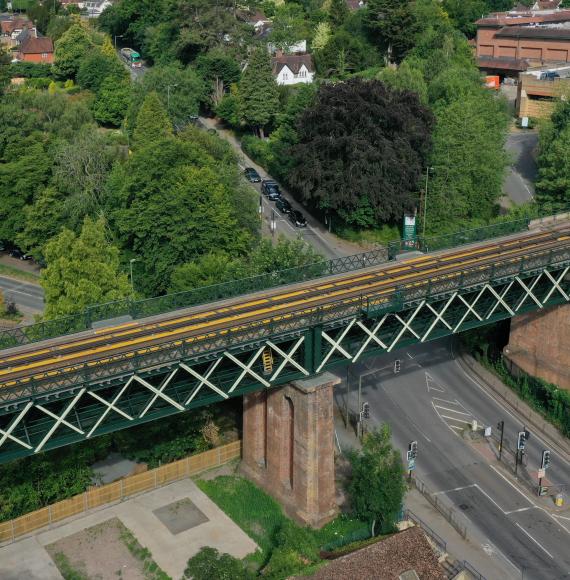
(288, 447)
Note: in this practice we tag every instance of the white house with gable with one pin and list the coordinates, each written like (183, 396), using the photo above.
(291, 69)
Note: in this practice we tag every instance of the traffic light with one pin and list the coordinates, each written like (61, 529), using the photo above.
(521, 441)
(397, 366)
(366, 410)
(413, 449)
(526, 434)
(545, 458)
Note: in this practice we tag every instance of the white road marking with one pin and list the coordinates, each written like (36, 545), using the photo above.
(430, 381)
(530, 507)
(410, 355)
(458, 419)
(511, 484)
(534, 540)
(455, 489)
(453, 410)
(445, 401)
(457, 427)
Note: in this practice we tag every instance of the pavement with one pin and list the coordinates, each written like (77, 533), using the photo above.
(519, 181)
(27, 559)
(433, 400)
(29, 298)
(317, 236)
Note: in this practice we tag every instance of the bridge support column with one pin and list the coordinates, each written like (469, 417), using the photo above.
(539, 344)
(288, 447)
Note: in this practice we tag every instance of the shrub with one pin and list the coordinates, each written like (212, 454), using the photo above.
(208, 563)
(257, 149)
(38, 83)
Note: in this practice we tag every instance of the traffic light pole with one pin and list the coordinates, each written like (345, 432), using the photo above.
(517, 461)
(502, 429)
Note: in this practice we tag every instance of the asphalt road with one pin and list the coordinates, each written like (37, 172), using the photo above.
(27, 296)
(519, 182)
(432, 400)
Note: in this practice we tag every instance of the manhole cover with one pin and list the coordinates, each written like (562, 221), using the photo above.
(463, 506)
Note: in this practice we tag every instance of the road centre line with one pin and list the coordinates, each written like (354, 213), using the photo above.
(524, 509)
(534, 540)
(455, 489)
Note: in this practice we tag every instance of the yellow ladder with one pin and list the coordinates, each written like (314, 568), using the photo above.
(267, 361)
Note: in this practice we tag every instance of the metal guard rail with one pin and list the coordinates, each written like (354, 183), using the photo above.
(106, 368)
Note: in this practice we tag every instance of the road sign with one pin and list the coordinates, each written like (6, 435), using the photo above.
(411, 464)
(413, 449)
(409, 231)
(488, 431)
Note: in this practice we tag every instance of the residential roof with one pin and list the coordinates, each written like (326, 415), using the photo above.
(514, 64)
(37, 45)
(8, 26)
(355, 4)
(500, 19)
(548, 4)
(388, 559)
(292, 61)
(533, 32)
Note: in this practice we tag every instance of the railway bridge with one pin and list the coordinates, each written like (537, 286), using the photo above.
(60, 390)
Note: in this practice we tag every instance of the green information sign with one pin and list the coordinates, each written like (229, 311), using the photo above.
(409, 230)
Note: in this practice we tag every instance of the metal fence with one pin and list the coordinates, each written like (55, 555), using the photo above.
(118, 491)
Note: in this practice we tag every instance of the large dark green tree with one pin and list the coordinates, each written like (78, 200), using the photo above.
(361, 150)
(70, 50)
(258, 92)
(152, 121)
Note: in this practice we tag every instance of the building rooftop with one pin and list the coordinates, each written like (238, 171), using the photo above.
(500, 19)
(292, 61)
(404, 555)
(37, 45)
(543, 32)
(514, 64)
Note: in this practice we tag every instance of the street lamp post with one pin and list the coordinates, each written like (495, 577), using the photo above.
(428, 169)
(115, 39)
(131, 262)
(168, 87)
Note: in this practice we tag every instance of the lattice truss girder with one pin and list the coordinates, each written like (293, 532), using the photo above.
(28, 427)
(431, 318)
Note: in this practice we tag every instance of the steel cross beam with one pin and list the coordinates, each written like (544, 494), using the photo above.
(50, 419)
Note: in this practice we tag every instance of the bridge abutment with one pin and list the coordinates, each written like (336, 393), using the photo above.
(288, 446)
(539, 345)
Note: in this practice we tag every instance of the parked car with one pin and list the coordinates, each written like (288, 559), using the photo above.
(251, 175)
(549, 75)
(297, 219)
(17, 253)
(283, 206)
(270, 189)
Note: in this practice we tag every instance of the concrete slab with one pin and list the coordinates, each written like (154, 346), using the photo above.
(28, 559)
(113, 467)
(180, 516)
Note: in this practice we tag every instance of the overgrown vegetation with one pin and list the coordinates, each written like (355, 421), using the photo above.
(151, 569)
(66, 569)
(486, 345)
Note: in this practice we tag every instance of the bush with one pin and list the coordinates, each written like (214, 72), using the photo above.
(257, 149)
(208, 564)
(30, 70)
(38, 83)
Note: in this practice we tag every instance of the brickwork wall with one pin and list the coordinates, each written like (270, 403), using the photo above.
(312, 497)
(539, 344)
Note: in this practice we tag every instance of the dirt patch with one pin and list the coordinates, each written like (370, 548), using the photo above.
(97, 553)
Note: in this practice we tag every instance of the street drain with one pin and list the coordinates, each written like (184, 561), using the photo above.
(463, 506)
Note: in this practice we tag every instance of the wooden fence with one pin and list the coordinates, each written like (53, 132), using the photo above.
(118, 491)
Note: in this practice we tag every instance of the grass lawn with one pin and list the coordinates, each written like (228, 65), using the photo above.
(381, 235)
(260, 516)
(12, 272)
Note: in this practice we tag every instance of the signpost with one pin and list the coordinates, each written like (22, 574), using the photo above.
(411, 457)
(409, 231)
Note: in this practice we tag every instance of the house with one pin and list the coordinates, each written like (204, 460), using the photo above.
(94, 8)
(11, 28)
(296, 48)
(291, 69)
(257, 19)
(354, 5)
(404, 555)
(36, 49)
(508, 44)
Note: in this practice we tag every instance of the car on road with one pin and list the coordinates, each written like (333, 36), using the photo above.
(270, 189)
(283, 206)
(297, 219)
(251, 175)
(17, 253)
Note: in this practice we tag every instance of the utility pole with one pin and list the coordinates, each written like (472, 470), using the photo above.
(131, 262)
(428, 169)
(501, 428)
(115, 39)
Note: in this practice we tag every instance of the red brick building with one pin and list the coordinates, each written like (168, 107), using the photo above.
(508, 44)
(36, 50)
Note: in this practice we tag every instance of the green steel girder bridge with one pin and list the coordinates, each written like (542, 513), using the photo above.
(83, 382)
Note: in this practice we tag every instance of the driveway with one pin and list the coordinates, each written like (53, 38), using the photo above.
(519, 182)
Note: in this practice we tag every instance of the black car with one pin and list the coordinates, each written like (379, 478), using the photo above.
(251, 175)
(283, 206)
(297, 219)
(270, 189)
(16, 253)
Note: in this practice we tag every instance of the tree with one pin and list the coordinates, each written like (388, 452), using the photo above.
(377, 487)
(259, 98)
(468, 161)
(361, 150)
(338, 12)
(73, 46)
(96, 67)
(405, 78)
(81, 270)
(289, 26)
(344, 53)
(57, 27)
(464, 14)
(112, 101)
(152, 121)
(392, 26)
(219, 71)
(321, 36)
